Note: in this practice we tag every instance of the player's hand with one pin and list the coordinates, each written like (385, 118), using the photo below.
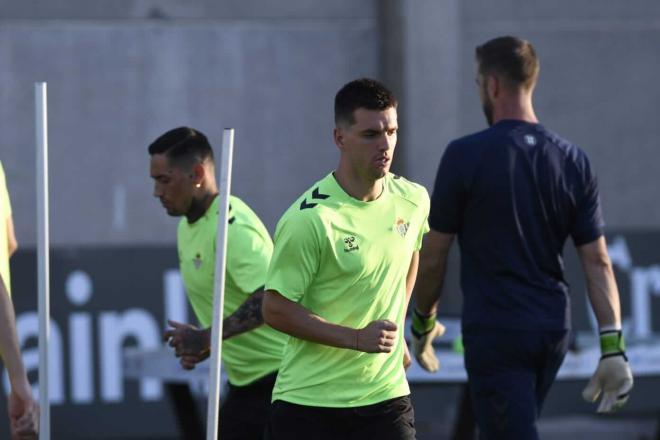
(613, 378)
(377, 337)
(424, 330)
(189, 362)
(23, 412)
(190, 343)
(407, 359)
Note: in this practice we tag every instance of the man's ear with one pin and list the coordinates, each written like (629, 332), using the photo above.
(339, 137)
(493, 86)
(198, 174)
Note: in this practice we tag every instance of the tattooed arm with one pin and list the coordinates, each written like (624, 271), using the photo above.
(247, 317)
(193, 344)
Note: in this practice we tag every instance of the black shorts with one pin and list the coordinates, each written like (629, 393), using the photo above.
(245, 412)
(389, 420)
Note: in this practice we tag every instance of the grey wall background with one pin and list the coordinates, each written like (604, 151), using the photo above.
(597, 87)
(121, 73)
(115, 85)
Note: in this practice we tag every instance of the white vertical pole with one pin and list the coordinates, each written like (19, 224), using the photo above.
(43, 265)
(219, 283)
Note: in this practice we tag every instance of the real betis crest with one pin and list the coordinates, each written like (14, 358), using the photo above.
(401, 226)
(350, 244)
(197, 261)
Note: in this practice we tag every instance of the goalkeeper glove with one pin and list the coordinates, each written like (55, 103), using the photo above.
(613, 377)
(424, 330)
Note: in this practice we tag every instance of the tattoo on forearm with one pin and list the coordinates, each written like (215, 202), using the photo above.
(246, 317)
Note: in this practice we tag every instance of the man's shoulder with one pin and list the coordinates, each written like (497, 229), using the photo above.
(468, 148)
(311, 205)
(240, 213)
(475, 138)
(563, 145)
(406, 189)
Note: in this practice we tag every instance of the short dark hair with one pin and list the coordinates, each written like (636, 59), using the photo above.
(184, 146)
(362, 93)
(511, 58)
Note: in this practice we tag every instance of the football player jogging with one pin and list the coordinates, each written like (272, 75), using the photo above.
(342, 272)
(513, 194)
(183, 171)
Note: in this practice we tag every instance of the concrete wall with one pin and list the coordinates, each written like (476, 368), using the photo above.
(598, 86)
(120, 73)
(115, 86)
(192, 9)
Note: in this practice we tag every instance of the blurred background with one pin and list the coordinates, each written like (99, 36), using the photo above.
(121, 73)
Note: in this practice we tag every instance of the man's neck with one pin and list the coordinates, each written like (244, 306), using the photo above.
(517, 107)
(358, 187)
(200, 205)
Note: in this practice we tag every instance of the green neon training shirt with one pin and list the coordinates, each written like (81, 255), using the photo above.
(347, 261)
(254, 354)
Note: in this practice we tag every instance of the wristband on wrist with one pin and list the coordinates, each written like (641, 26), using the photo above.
(612, 344)
(422, 324)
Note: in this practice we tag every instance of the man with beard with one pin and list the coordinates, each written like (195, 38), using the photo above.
(183, 171)
(513, 194)
(342, 272)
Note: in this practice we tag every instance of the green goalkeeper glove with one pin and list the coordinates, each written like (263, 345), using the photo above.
(613, 376)
(424, 330)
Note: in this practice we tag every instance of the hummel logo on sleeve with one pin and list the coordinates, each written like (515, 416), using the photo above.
(232, 218)
(316, 195)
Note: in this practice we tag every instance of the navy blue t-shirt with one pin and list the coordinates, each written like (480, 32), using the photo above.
(513, 194)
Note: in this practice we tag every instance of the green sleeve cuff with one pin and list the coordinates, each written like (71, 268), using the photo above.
(422, 324)
(612, 342)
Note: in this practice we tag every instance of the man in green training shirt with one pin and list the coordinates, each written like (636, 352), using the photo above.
(183, 170)
(342, 272)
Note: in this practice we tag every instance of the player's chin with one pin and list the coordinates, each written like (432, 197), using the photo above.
(379, 172)
(173, 212)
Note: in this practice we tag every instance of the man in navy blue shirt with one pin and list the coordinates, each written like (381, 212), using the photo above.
(513, 194)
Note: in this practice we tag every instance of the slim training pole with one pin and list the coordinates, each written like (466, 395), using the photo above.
(43, 264)
(219, 283)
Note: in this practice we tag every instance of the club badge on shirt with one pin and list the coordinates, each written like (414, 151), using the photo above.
(350, 244)
(197, 261)
(401, 226)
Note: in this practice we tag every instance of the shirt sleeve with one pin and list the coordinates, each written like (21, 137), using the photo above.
(5, 204)
(248, 256)
(425, 224)
(448, 200)
(588, 225)
(296, 257)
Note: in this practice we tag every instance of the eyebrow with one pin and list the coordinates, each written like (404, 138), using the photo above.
(376, 130)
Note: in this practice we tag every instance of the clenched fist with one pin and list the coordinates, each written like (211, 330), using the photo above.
(377, 337)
